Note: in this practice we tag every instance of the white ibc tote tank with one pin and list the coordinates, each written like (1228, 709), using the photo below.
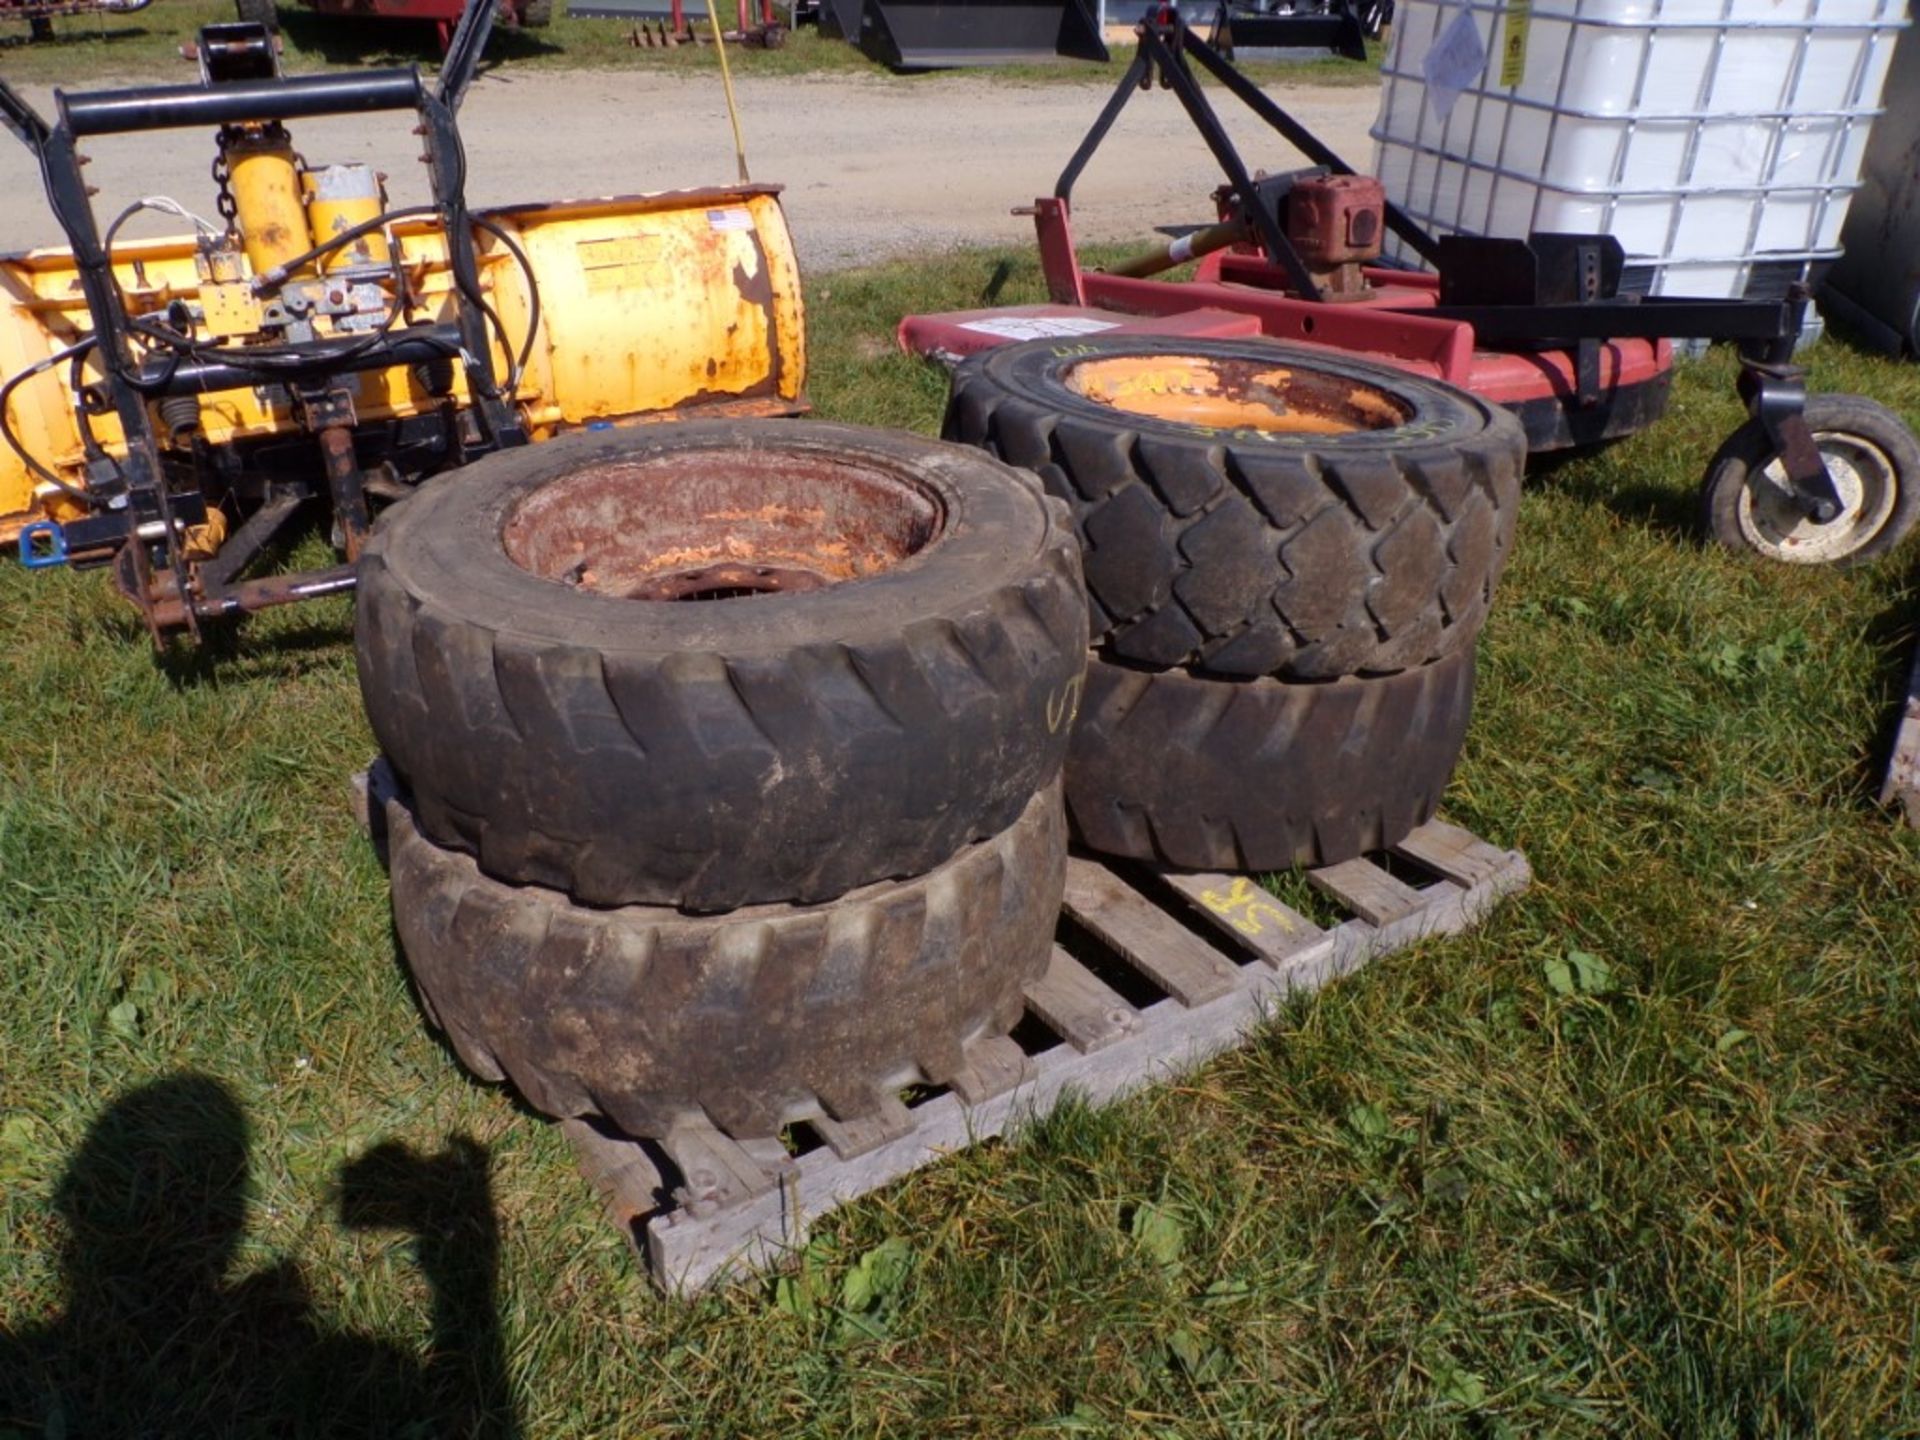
(1719, 140)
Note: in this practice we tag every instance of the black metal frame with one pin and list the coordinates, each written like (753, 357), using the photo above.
(1337, 28)
(1548, 291)
(135, 496)
(1166, 42)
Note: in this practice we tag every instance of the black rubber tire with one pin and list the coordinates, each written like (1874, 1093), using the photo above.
(259, 12)
(647, 1016)
(1250, 775)
(537, 14)
(1734, 509)
(1242, 553)
(736, 751)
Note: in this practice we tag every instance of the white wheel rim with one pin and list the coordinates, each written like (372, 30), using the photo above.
(1772, 522)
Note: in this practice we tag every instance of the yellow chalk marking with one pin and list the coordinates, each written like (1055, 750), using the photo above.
(1244, 908)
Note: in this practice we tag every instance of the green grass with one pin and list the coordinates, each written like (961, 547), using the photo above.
(1640, 1156)
(147, 44)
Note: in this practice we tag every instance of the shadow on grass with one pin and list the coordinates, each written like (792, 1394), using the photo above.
(227, 649)
(1673, 513)
(230, 648)
(273, 643)
(157, 1338)
(354, 40)
(57, 39)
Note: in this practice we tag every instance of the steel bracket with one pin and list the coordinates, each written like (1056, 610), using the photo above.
(328, 412)
(1776, 397)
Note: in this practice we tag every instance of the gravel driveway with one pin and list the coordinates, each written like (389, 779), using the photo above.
(874, 167)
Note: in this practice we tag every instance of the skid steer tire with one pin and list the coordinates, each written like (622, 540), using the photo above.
(899, 699)
(1244, 551)
(649, 1017)
(1248, 775)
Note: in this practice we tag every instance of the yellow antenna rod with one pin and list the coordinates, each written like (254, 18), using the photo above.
(726, 79)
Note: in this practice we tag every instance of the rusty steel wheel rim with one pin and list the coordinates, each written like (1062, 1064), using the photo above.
(1267, 396)
(723, 524)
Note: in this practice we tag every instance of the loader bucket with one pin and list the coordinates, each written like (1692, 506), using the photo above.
(680, 303)
(840, 20)
(938, 34)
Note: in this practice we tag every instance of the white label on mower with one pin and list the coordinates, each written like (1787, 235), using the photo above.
(729, 220)
(1038, 327)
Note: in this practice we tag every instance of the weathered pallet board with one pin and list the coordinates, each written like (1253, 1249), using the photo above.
(1218, 950)
(1902, 785)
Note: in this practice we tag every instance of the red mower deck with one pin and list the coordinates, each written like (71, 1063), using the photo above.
(1235, 294)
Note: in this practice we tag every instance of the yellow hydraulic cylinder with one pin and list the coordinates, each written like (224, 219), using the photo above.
(339, 198)
(264, 177)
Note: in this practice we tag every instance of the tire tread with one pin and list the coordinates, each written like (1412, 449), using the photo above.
(1145, 505)
(1176, 769)
(631, 776)
(649, 1016)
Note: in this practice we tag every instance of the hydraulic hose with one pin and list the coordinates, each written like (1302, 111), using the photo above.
(59, 357)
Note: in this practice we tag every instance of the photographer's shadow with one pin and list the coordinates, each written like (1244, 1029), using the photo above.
(156, 1339)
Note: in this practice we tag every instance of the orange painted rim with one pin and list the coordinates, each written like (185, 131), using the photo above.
(1219, 393)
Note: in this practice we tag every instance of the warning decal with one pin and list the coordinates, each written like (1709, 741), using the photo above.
(1038, 327)
(1513, 51)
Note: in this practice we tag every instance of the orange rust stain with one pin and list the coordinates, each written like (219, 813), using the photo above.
(833, 559)
(773, 515)
(1191, 392)
(1375, 407)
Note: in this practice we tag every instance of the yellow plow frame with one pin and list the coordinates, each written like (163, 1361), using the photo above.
(651, 307)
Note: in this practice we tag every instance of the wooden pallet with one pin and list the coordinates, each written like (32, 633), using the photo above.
(1203, 957)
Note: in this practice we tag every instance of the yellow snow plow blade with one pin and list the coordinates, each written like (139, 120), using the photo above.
(648, 306)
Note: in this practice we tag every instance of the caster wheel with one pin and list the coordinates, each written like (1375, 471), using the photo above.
(1748, 504)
